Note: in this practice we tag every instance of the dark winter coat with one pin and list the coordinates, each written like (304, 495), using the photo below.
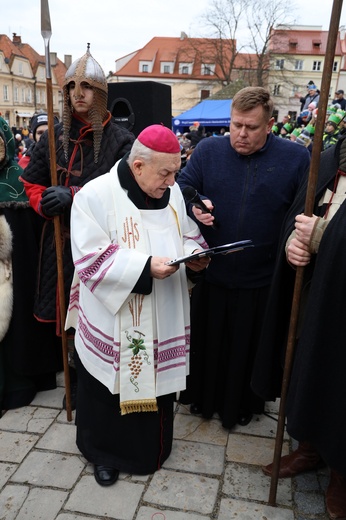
(80, 169)
(317, 393)
(251, 195)
(330, 138)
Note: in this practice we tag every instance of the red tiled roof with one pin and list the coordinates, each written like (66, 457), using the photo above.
(176, 50)
(246, 61)
(24, 50)
(33, 56)
(308, 42)
(9, 48)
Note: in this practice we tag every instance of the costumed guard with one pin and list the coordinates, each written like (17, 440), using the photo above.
(88, 143)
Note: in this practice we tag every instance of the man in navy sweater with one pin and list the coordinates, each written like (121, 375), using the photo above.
(249, 180)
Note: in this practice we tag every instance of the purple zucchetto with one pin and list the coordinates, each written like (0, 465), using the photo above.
(160, 139)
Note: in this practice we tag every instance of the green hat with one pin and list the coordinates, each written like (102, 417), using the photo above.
(334, 118)
(310, 129)
(341, 113)
(297, 131)
(331, 109)
(288, 127)
(275, 128)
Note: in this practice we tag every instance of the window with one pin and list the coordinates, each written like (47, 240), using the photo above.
(43, 97)
(23, 95)
(316, 65)
(5, 93)
(145, 66)
(208, 69)
(20, 68)
(166, 67)
(16, 94)
(276, 90)
(38, 96)
(298, 65)
(185, 68)
(335, 66)
(279, 64)
(29, 98)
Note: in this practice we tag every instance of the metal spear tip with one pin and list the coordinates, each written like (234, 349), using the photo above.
(46, 28)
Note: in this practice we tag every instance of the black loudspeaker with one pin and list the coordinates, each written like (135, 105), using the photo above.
(138, 104)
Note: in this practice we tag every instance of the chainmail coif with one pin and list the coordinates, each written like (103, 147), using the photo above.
(86, 69)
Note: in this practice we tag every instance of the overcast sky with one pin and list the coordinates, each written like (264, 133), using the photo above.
(116, 28)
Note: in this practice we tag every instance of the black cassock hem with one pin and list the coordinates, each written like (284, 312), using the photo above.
(136, 443)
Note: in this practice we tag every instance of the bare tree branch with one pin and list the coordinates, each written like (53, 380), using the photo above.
(262, 16)
(253, 20)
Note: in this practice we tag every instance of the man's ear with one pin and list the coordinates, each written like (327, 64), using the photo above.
(270, 124)
(137, 166)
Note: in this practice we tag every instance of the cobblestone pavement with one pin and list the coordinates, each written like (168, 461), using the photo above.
(211, 474)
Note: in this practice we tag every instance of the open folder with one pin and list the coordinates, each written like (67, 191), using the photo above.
(224, 249)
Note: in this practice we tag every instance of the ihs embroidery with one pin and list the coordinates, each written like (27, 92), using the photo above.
(131, 233)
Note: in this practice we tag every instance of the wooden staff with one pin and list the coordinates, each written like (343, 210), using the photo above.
(309, 205)
(46, 32)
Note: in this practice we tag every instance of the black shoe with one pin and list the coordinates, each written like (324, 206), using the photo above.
(105, 476)
(73, 389)
(196, 409)
(244, 419)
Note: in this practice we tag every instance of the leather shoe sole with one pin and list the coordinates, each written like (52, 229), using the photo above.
(105, 476)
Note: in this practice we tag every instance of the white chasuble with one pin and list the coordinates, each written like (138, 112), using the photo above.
(136, 345)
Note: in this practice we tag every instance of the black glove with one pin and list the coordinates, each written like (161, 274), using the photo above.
(55, 200)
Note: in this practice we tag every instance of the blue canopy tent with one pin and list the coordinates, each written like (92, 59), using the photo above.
(209, 113)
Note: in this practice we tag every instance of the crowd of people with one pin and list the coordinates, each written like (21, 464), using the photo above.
(302, 130)
(189, 140)
(148, 321)
(23, 140)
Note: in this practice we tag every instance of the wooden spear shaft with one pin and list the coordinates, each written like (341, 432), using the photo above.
(309, 205)
(46, 33)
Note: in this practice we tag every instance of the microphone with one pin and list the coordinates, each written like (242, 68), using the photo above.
(191, 196)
